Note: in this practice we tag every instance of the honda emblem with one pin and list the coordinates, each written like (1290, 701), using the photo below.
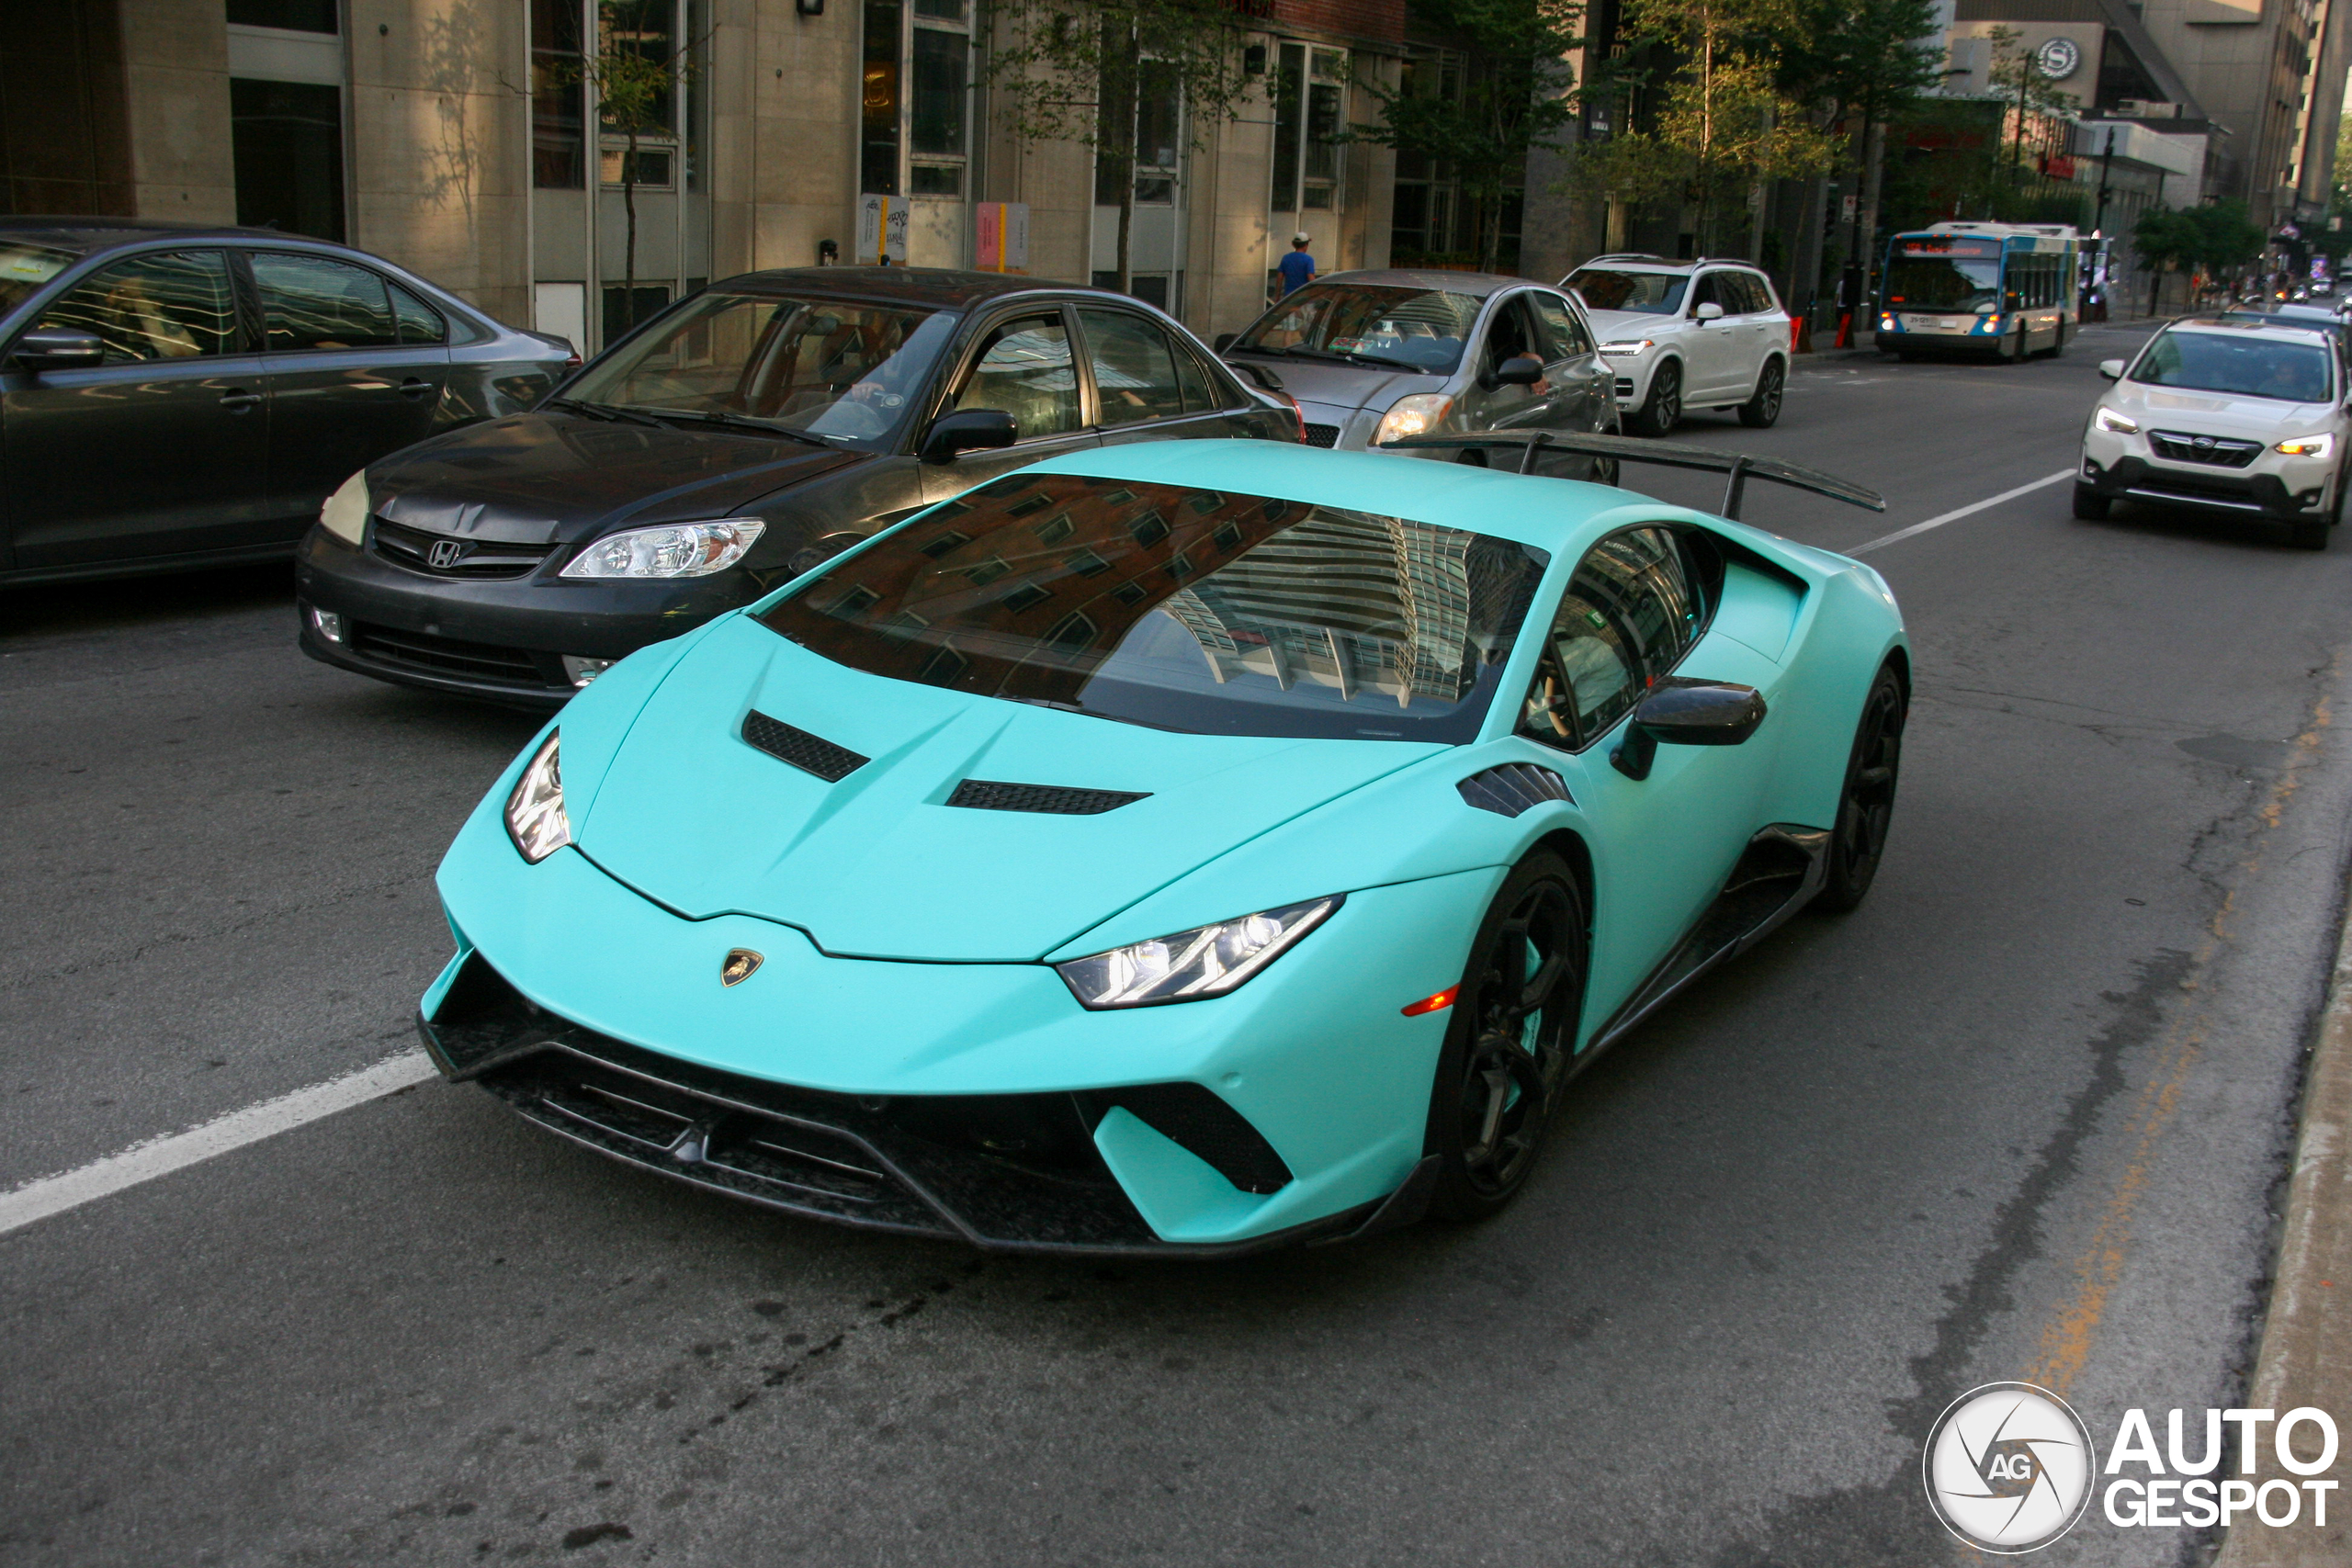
(445, 554)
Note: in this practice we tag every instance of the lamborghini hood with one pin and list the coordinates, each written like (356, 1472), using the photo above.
(878, 863)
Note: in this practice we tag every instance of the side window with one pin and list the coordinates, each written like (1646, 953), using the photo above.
(419, 322)
(1708, 290)
(1559, 318)
(1024, 368)
(1203, 392)
(1761, 289)
(1511, 333)
(311, 302)
(1628, 616)
(170, 306)
(1754, 298)
(1135, 367)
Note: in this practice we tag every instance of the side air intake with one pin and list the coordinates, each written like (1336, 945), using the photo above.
(989, 794)
(810, 753)
(1512, 788)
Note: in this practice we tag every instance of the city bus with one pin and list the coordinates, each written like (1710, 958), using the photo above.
(2000, 290)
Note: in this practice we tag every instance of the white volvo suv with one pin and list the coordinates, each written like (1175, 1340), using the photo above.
(1686, 334)
(2224, 415)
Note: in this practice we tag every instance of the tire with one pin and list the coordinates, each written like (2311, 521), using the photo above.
(2309, 536)
(1866, 801)
(1763, 410)
(1507, 1044)
(1661, 410)
(2090, 506)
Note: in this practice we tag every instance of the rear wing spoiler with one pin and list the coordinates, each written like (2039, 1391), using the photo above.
(1531, 444)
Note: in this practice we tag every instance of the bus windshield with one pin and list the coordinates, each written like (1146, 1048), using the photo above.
(1944, 283)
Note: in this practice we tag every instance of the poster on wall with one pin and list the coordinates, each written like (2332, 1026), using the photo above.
(1000, 236)
(881, 231)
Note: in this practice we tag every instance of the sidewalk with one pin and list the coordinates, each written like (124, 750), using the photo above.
(2306, 1357)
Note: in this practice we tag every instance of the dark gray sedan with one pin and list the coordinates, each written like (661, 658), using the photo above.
(727, 445)
(174, 396)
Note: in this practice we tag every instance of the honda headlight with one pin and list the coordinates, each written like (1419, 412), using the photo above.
(676, 549)
(1208, 961)
(1415, 415)
(346, 513)
(1628, 348)
(2307, 447)
(535, 818)
(2116, 424)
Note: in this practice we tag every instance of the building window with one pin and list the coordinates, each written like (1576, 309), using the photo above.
(1158, 109)
(286, 141)
(646, 29)
(558, 146)
(294, 16)
(1310, 118)
(916, 109)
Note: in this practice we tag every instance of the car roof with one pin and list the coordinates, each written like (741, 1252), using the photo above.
(90, 234)
(938, 287)
(1632, 262)
(1477, 284)
(1558, 515)
(2264, 327)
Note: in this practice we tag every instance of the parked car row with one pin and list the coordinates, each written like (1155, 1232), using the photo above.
(474, 512)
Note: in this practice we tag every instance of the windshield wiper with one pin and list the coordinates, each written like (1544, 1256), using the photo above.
(1348, 356)
(604, 411)
(739, 422)
(1090, 713)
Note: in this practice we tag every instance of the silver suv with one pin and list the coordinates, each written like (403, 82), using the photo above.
(1684, 334)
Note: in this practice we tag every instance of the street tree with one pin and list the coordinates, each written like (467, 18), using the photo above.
(1865, 64)
(2016, 74)
(1517, 93)
(635, 71)
(1078, 71)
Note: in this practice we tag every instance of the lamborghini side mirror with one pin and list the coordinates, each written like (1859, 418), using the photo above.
(1683, 712)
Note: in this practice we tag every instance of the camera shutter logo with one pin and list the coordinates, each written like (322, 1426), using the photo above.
(2010, 1468)
(445, 554)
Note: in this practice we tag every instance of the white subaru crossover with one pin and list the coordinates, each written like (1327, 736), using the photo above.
(2224, 415)
(1687, 334)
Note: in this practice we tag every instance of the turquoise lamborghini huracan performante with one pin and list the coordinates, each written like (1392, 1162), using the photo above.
(1179, 848)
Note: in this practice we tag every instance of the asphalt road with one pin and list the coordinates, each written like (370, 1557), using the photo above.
(2023, 1115)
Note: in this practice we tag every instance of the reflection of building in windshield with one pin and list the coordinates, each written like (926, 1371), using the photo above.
(1345, 599)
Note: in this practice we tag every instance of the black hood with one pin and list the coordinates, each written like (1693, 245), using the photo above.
(552, 478)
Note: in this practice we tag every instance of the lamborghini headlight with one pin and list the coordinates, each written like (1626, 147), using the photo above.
(677, 549)
(2115, 423)
(2307, 447)
(346, 513)
(535, 818)
(1415, 415)
(1208, 961)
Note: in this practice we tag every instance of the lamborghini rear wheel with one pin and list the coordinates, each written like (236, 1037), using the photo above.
(1866, 805)
(1507, 1045)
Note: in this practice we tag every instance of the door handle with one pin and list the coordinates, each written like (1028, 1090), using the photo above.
(236, 400)
(416, 387)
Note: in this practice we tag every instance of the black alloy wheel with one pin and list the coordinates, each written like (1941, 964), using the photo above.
(1662, 410)
(1507, 1045)
(1763, 410)
(1866, 805)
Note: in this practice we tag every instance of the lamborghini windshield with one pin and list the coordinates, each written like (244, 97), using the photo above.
(1184, 609)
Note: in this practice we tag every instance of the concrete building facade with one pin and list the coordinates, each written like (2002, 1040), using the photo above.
(487, 143)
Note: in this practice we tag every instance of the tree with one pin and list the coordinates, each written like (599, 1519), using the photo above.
(1075, 71)
(1518, 93)
(635, 80)
(2018, 77)
(1722, 122)
(1866, 62)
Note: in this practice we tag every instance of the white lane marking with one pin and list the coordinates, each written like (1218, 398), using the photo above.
(160, 1157)
(1901, 533)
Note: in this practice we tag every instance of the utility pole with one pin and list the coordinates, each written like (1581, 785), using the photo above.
(2106, 161)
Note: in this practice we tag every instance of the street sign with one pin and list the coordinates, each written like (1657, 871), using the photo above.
(881, 231)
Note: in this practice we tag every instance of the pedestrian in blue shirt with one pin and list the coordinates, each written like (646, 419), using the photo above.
(1297, 268)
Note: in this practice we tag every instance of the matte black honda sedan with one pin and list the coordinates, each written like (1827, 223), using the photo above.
(176, 396)
(726, 445)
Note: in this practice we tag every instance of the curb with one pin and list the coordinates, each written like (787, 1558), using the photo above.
(2306, 1355)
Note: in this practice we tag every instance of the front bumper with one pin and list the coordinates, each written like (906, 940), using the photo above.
(2286, 493)
(503, 640)
(977, 1102)
(1967, 345)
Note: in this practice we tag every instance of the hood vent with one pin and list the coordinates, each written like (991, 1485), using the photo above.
(988, 795)
(1513, 787)
(810, 753)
